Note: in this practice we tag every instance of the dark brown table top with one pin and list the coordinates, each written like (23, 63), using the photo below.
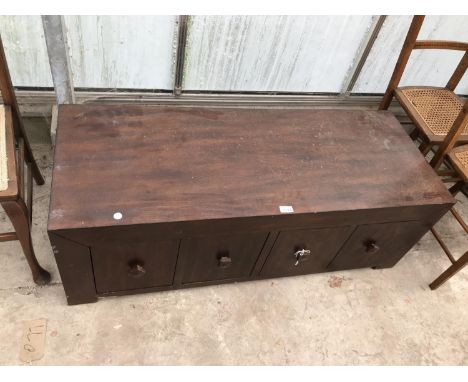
(165, 164)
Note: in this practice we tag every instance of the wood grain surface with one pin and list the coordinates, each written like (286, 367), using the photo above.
(166, 164)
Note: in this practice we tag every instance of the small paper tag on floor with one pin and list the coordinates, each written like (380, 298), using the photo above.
(33, 341)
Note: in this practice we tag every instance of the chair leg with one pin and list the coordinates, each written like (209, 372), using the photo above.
(36, 172)
(18, 214)
(456, 187)
(414, 134)
(452, 270)
(425, 147)
(464, 190)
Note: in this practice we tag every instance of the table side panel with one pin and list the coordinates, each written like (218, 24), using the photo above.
(76, 269)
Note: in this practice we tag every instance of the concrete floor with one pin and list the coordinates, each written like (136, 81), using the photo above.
(347, 318)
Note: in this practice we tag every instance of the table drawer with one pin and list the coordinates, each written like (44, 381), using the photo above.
(378, 245)
(221, 257)
(125, 265)
(304, 251)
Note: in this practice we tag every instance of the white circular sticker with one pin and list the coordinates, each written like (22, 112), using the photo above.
(118, 215)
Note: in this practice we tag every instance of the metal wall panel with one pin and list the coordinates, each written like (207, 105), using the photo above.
(425, 67)
(26, 51)
(231, 53)
(135, 52)
(272, 53)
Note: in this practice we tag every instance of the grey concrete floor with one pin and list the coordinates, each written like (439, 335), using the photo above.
(346, 318)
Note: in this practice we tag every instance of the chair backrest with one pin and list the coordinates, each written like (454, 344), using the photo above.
(8, 93)
(411, 42)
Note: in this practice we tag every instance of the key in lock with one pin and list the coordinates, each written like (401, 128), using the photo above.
(300, 255)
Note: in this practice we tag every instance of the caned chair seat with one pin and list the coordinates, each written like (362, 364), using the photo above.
(433, 110)
(3, 152)
(8, 175)
(459, 159)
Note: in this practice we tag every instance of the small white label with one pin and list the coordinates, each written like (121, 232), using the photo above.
(286, 209)
(118, 216)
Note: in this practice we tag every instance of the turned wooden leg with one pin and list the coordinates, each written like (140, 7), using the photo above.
(454, 268)
(18, 214)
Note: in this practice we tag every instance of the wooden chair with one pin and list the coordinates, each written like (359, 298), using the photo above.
(17, 169)
(440, 119)
(458, 160)
(433, 110)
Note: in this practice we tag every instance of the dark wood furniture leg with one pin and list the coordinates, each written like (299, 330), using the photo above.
(76, 269)
(19, 216)
(452, 270)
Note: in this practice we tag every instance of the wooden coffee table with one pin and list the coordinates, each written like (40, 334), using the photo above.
(148, 198)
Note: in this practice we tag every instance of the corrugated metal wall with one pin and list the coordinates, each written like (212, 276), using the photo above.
(231, 53)
(26, 51)
(272, 53)
(122, 52)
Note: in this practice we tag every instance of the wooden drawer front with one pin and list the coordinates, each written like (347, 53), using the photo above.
(221, 257)
(319, 246)
(124, 265)
(378, 245)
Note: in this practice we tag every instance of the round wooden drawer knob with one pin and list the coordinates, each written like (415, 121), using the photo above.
(372, 247)
(224, 261)
(136, 269)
